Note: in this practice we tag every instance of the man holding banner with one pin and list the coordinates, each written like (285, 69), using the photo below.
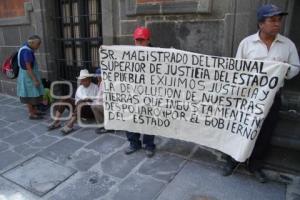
(141, 38)
(175, 94)
(266, 44)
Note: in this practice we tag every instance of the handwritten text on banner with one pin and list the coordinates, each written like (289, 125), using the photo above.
(214, 101)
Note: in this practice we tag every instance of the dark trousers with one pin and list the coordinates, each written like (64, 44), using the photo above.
(264, 138)
(135, 142)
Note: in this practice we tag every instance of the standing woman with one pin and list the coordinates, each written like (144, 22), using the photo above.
(29, 85)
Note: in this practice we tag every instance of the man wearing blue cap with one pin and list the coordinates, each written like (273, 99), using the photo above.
(266, 44)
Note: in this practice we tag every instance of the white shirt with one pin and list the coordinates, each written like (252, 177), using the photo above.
(281, 50)
(99, 99)
(86, 92)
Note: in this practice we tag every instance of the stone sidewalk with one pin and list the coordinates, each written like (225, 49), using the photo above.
(37, 164)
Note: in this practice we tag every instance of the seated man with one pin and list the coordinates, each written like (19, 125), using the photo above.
(84, 93)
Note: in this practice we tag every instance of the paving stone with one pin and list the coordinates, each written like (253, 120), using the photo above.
(19, 126)
(89, 186)
(15, 115)
(39, 129)
(7, 158)
(121, 134)
(137, 187)
(178, 147)
(32, 123)
(56, 132)
(15, 102)
(12, 102)
(206, 155)
(10, 191)
(294, 197)
(7, 100)
(86, 134)
(158, 140)
(6, 132)
(43, 141)
(2, 96)
(120, 165)
(19, 138)
(202, 197)
(106, 144)
(3, 123)
(62, 150)
(162, 166)
(5, 109)
(3, 146)
(84, 160)
(25, 149)
(293, 191)
(39, 175)
(198, 180)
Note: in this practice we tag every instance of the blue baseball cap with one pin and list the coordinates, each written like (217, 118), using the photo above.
(268, 10)
(98, 71)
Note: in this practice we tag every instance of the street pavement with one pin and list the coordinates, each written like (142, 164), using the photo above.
(40, 164)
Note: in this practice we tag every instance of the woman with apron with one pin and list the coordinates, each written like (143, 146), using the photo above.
(29, 85)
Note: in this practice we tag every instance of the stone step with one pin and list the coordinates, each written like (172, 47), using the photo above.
(284, 154)
(287, 132)
(283, 160)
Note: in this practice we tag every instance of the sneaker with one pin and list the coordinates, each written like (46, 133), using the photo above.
(150, 152)
(260, 176)
(229, 167)
(130, 150)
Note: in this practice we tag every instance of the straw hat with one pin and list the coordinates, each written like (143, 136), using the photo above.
(84, 73)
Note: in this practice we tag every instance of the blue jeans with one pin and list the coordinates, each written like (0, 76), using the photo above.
(135, 142)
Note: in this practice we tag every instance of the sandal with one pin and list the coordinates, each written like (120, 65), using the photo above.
(53, 125)
(35, 117)
(66, 130)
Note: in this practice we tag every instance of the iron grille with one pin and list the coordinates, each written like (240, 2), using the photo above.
(79, 37)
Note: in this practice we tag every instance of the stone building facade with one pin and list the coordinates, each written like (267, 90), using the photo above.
(73, 30)
(212, 27)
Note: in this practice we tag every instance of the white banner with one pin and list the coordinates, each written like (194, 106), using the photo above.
(214, 101)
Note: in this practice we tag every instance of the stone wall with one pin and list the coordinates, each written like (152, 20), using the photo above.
(213, 27)
(16, 27)
(205, 26)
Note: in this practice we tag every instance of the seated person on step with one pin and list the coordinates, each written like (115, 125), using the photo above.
(85, 93)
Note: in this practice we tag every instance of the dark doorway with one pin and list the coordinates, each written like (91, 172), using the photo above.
(79, 36)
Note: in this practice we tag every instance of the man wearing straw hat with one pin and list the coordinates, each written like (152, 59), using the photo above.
(86, 92)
